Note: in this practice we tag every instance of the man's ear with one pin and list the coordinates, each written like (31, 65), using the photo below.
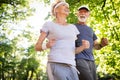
(88, 14)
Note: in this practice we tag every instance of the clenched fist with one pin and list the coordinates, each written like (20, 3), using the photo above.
(104, 42)
(85, 44)
(50, 43)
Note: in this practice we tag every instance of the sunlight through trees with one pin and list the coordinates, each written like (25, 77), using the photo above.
(19, 60)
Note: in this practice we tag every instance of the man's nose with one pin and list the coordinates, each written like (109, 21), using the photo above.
(83, 12)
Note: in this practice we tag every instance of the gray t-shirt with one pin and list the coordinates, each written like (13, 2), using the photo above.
(63, 51)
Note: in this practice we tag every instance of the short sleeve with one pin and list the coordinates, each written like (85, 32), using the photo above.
(94, 36)
(45, 28)
(76, 30)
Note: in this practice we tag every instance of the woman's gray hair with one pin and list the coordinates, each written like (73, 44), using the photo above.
(57, 5)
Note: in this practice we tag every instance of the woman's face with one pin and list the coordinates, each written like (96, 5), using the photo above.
(62, 9)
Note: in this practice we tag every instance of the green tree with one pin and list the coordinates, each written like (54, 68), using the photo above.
(18, 62)
(105, 20)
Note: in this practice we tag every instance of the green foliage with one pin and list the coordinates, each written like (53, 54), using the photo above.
(5, 48)
(105, 20)
(18, 62)
(13, 10)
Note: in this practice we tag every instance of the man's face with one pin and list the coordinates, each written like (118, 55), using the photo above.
(83, 14)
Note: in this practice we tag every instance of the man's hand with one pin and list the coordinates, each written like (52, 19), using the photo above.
(50, 43)
(85, 44)
(104, 42)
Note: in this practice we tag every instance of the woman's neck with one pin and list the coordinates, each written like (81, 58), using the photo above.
(61, 20)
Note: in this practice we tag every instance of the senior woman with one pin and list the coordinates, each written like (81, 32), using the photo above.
(62, 36)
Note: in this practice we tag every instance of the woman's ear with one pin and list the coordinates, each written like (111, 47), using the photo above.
(56, 10)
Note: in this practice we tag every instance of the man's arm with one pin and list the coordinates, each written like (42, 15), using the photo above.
(85, 45)
(97, 45)
(103, 43)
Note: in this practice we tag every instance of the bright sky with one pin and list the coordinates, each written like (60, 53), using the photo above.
(36, 21)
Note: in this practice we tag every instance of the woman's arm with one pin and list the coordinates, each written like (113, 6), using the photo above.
(38, 45)
(79, 49)
(97, 45)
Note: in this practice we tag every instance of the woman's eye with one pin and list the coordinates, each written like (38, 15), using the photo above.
(64, 5)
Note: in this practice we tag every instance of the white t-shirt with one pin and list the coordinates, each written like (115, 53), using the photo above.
(63, 51)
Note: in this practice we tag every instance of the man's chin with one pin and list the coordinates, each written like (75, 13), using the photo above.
(82, 20)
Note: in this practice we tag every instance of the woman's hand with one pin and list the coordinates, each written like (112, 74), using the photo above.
(50, 43)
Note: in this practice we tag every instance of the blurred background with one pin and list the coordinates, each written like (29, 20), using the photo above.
(20, 24)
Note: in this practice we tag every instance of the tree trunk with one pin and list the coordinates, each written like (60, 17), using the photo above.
(31, 74)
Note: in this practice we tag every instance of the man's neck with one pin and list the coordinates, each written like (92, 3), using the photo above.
(82, 23)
